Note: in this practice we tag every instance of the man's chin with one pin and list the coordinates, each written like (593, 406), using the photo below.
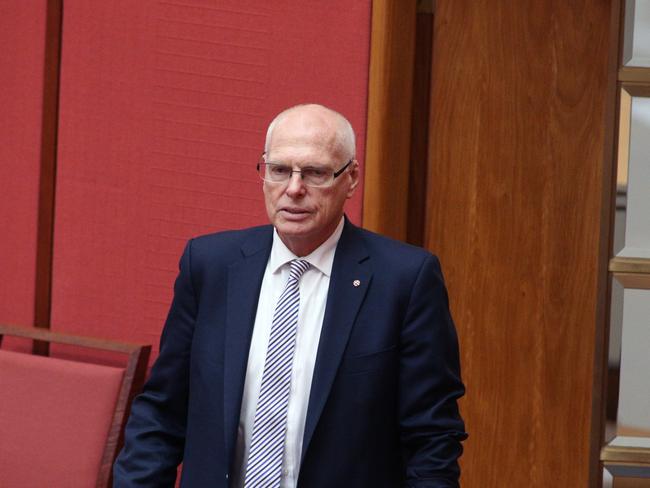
(292, 229)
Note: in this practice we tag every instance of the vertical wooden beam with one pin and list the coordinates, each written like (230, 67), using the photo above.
(518, 165)
(417, 191)
(47, 181)
(386, 179)
(603, 378)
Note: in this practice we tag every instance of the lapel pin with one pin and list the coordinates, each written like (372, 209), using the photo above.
(356, 282)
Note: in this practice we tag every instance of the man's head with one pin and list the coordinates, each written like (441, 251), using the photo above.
(309, 136)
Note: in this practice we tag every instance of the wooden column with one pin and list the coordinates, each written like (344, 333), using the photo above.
(388, 143)
(519, 165)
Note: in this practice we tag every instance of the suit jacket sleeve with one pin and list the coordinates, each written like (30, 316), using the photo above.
(155, 433)
(430, 384)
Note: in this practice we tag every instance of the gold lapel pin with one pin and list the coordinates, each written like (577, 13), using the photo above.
(356, 282)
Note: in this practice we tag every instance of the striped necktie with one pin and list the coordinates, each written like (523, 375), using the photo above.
(264, 466)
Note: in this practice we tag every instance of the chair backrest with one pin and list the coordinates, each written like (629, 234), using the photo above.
(61, 421)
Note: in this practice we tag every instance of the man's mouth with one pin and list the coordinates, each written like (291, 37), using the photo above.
(294, 210)
(293, 213)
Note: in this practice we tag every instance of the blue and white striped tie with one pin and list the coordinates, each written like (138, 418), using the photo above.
(264, 466)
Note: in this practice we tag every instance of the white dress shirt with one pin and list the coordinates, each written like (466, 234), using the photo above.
(314, 285)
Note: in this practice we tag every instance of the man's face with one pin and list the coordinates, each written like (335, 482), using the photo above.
(306, 216)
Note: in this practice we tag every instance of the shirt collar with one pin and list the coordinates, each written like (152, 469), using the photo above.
(321, 258)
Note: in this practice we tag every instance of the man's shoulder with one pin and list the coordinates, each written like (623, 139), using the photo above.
(391, 250)
(397, 264)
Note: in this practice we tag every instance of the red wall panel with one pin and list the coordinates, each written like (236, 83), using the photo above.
(22, 37)
(163, 111)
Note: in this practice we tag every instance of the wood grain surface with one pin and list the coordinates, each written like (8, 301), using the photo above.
(632, 483)
(388, 140)
(519, 164)
(418, 167)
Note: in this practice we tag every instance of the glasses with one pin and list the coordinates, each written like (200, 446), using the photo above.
(312, 175)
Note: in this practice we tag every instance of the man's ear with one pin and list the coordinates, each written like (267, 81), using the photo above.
(353, 174)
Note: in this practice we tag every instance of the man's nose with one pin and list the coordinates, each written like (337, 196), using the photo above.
(295, 185)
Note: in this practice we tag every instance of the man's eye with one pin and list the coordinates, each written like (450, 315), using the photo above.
(278, 170)
(314, 172)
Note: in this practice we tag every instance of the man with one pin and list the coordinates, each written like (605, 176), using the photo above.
(308, 353)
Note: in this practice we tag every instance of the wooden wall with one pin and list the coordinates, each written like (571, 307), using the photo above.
(519, 166)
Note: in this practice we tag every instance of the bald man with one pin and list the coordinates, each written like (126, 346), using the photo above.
(306, 353)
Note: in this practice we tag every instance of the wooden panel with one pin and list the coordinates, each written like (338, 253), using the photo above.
(388, 146)
(519, 164)
(626, 454)
(629, 265)
(631, 483)
(640, 75)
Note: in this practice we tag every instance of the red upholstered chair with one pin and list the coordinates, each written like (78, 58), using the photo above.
(61, 420)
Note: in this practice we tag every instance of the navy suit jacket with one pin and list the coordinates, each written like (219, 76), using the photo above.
(383, 405)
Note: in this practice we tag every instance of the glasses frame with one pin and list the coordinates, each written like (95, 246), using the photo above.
(335, 174)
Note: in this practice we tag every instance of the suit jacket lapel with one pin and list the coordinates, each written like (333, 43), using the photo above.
(244, 283)
(351, 275)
